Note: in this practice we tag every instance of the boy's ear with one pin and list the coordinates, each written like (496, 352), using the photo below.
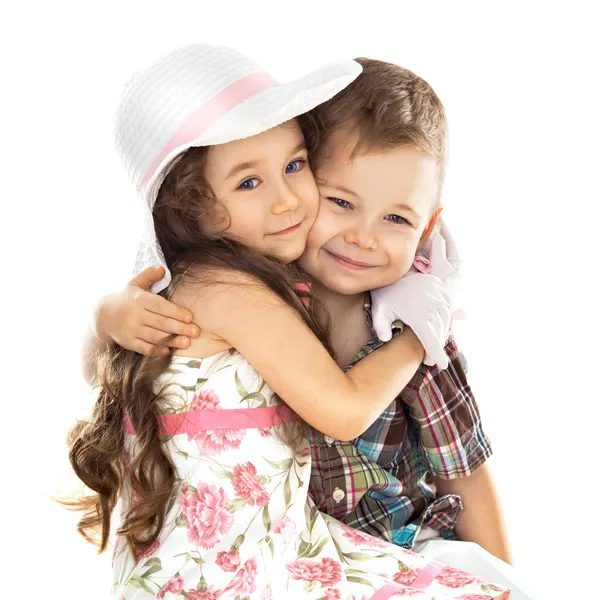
(430, 226)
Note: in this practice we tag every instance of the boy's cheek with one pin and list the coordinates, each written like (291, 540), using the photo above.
(398, 266)
(322, 230)
(390, 276)
(323, 213)
(310, 194)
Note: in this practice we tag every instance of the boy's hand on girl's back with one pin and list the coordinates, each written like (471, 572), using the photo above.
(138, 320)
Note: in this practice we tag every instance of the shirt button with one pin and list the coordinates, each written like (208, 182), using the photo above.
(338, 495)
(328, 440)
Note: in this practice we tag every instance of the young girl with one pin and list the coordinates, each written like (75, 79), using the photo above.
(210, 466)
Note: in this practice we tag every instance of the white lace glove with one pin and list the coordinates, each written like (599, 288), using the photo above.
(423, 301)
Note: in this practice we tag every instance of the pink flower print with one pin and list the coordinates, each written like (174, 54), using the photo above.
(327, 571)
(206, 514)
(244, 580)
(247, 486)
(228, 561)
(287, 529)
(133, 498)
(209, 594)
(115, 551)
(215, 441)
(475, 597)
(282, 524)
(301, 569)
(174, 585)
(148, 552)
(332, 594)
(265, 432)
(406, 577)
(331, 572)
(492, 588)
(204, 399)
(405, 592)
(266, 594)
(455, 578)
(359, 538)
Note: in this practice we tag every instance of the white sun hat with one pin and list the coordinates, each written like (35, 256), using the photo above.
(202, 95)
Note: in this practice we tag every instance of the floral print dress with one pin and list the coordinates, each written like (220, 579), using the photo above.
(241, 525)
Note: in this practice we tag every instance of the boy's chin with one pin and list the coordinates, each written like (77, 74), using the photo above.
(351, 288)
(346, 287)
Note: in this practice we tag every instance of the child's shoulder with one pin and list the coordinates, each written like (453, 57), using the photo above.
(214, 294)
(203, 285)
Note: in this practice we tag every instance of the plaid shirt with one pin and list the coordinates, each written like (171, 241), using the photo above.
(381, 482)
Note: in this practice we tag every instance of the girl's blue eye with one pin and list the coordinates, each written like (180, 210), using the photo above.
(341, 203)
(396, 219)
(296, 165)
(247, 185)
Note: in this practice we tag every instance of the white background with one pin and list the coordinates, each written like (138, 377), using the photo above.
(520, 84)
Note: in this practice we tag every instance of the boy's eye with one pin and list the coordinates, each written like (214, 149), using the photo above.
(248, 184)
(396, 219)
(295, 166)
(341, 203)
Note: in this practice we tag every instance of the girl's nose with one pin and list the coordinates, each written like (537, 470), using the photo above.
(286, 200)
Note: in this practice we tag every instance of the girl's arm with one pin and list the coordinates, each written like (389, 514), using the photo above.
(275, 341)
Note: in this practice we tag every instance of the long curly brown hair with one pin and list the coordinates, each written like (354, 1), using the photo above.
(125, 379)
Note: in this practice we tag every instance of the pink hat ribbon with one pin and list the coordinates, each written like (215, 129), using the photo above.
(209, 112)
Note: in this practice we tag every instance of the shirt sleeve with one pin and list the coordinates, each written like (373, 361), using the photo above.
(445, 410)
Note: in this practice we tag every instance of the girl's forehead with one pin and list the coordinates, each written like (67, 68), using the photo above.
(273, 144)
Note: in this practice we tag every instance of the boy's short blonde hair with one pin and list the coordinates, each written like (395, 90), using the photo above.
(391, 107)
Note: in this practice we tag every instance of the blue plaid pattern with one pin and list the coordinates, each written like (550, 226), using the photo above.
(382, 482)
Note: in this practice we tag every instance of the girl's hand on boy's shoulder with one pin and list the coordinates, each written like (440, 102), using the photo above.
(138, 320)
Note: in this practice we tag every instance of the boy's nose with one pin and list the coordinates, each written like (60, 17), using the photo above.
(362, 237)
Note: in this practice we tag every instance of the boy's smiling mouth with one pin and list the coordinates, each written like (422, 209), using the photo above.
(348, 263)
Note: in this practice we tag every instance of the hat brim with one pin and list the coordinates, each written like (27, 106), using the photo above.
(256, 114)
(264, 110)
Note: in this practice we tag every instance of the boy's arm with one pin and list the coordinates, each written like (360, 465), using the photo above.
(482, 521)
(456, 449)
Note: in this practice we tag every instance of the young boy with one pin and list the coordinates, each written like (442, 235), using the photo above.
(380, 172)
(422, 464)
